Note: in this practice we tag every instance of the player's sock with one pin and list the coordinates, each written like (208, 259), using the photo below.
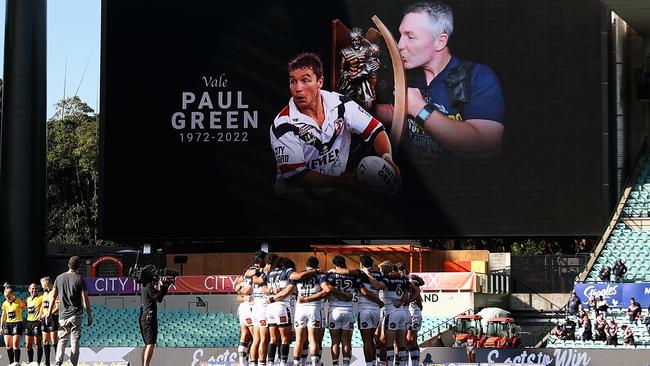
(390, 356)
(346, 361)
(284, 354)
(304, 354)
(414, 355)
(296, 361)
(377, 353)
(270, 356)
(261, 363)
(10, 354)
(17, 355)
(30, 355)
(242, 350)
(315, 360)
(335, 362)
(39, 354)
(402, 357)
(46, 351)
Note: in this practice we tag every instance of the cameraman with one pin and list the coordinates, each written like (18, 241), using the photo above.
(149, 315)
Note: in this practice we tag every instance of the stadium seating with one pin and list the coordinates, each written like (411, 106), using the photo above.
(630, 245)
(186, 328)
(641, 336)
(118, 327)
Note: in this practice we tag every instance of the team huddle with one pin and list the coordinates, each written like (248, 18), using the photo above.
(276, 301)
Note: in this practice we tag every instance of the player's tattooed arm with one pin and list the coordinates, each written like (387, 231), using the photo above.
(299, 276)
(372, 297)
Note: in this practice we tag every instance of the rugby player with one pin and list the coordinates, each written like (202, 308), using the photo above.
(311, 136)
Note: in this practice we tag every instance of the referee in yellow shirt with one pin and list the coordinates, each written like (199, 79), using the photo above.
(12, 323)
(34, 325)
(50, 329)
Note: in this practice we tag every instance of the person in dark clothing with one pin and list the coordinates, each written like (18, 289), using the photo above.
(619, 270)
(605, 274)
(600, 326)
(586, 333)
(149, 316)
(569, 327)
(573, 303)
(634, 311)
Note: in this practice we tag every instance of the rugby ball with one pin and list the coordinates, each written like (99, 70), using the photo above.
(377, 175)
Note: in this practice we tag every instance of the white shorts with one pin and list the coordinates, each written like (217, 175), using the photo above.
(278, 313)
(369, 318)
(259, 314)
(396, 320)
(245, 313)
(416, 320)
(308, 316)
(340, 318)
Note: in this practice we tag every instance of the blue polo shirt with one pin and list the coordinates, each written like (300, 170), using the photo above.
(485, 102)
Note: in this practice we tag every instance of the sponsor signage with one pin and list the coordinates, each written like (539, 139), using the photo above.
(195, 356)
(448, 281)
(616, 294)
(184, 284)
(435, 281)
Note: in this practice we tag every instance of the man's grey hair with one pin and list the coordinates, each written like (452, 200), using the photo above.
(440, 15)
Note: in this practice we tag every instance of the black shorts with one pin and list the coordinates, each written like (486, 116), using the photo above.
(52, 326)
(13, 329)
(149, 328)
(34, 328)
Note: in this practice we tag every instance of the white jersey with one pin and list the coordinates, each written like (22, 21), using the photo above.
(347, 284)
(258, 294)
(248, 282)
(393, 292)
(300, 144)
(310, 286)
(364, 302)
(277, 280)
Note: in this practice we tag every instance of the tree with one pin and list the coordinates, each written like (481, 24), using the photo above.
(72, 173)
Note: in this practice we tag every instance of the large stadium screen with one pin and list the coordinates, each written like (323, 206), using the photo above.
(208, 133)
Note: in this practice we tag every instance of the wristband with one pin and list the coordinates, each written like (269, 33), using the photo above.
(387, 154)
(272, 300)
(424, 114)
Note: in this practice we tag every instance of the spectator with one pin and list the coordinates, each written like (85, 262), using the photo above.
(572, 304)
(582, 313)
(619, 270)
(569, 329)
(592, 305)
(601, 305)
(605, 274)
(646, 321)
(611, 330)
(634, 311)
(628, 336)
(558, 332)
(586, 333)
(600, 328)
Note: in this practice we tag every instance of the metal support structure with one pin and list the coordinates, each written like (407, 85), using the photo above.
(23, 142)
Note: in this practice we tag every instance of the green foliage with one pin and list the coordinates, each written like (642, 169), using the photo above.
(72, 152)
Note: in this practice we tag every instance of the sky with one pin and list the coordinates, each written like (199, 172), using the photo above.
(73, 45)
